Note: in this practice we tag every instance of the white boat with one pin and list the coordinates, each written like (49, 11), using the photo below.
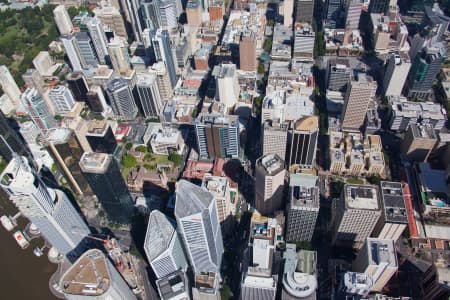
(7, 223)
(21, 240)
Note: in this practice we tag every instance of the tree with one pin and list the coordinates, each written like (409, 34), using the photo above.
(128, 146)
(129, 161)
(374, 179)
(141, 148)
(261, 68)
(176, 158)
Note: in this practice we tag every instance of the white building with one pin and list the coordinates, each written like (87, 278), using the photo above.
(288, 13)
(163, 140)
(44, 64)
(62, 99)
(49, 209)
(227, 85)
(9, 86)
(354, 8)
(378, 259)
(70, 45)
(38, 109)
(163, 246)
(198, 225)
(397, 70)
(357, 283)
(98, 37)
(29, 131)
(121, 98)
(62, 20)
(304, 42)
(118, 53)
(93, 276)
(274, 135)
(355, 214)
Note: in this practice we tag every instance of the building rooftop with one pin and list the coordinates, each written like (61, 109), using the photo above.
(216, 185)
(97, 127)
(309, 123)
(160, 231)
(272, 164)
(59, 135)
(423, 131)
(303, 190)
(382, 251)
(88, 276)
(17, 168)
(191, 199)
(95, 162)
(358, 281)
(299, 278)
(361, 197)
(172, 286)
(393, 202)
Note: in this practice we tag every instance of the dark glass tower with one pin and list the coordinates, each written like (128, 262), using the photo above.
(101, 137)
(103, 174)
(9, 140)
(78, 86)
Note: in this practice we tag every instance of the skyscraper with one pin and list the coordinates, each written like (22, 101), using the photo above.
(353, 10)
(62, 19)
(338, 74)
(98, 37)
(355, 215)
(359, 93)
(396, 74)
(304, 42)
(10, 141)
(62, 99)
(70, 45)
(163, 53)
(121, 99)
(118, 53)
(93, 276)
(38, 109)
(66, 151)
(303, 207)
(87, 54)
(418, 142)
(49, 209)
(198, 225)
(9, 86)
(163, 246)
(166, 11)
(100, 137)
(103, 174)
(247, 52)
(303, 142)
(275, 138)
(163, 80)
(217, 136)
(288, 13)
(304, 11)
(149, 98)
(378, 6)
(111, 17)
(270, 175)
(77, 85)
(333, 7)
(227, 85)
(194, 13)
(96, 99)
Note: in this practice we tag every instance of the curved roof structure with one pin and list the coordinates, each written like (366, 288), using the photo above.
(160, 231)
(191, 199)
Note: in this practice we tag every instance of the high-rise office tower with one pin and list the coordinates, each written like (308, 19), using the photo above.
(418, 143)
(270, 175)
(87, 54)
(121, 99)
(303, 142)
(78, 86)
(378, 6)
(62, 99)
(37, 108)
(359, 93)
(163, 246)
(198, 225)
(149, 98)
(227, 85)
(33, 79)
(166, 11)
(49, 209)
(118, 53)
(303, 207)
(288, 13)
(247, 52)
(173, 286)
(29, 132)
(149, 18)
(163, 80)
(135, 19)
(338, 74)
(304, 42)
(333, 8)
(274, 137)
(353, 10)
(217, 136)
(394, 217)
(100, 137)
(111, 17)
(378, 259)
(355, 215)
(424, 70)
(10, 141)
(93, 276)
(96, 99)
(304, 11)
(98, 37)
(66, 151)
(103, 174)
(70, 45)
(396, 74)
(9, 86)
(299, 274)
(62, 20)
(163, 53)
(194, 13)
